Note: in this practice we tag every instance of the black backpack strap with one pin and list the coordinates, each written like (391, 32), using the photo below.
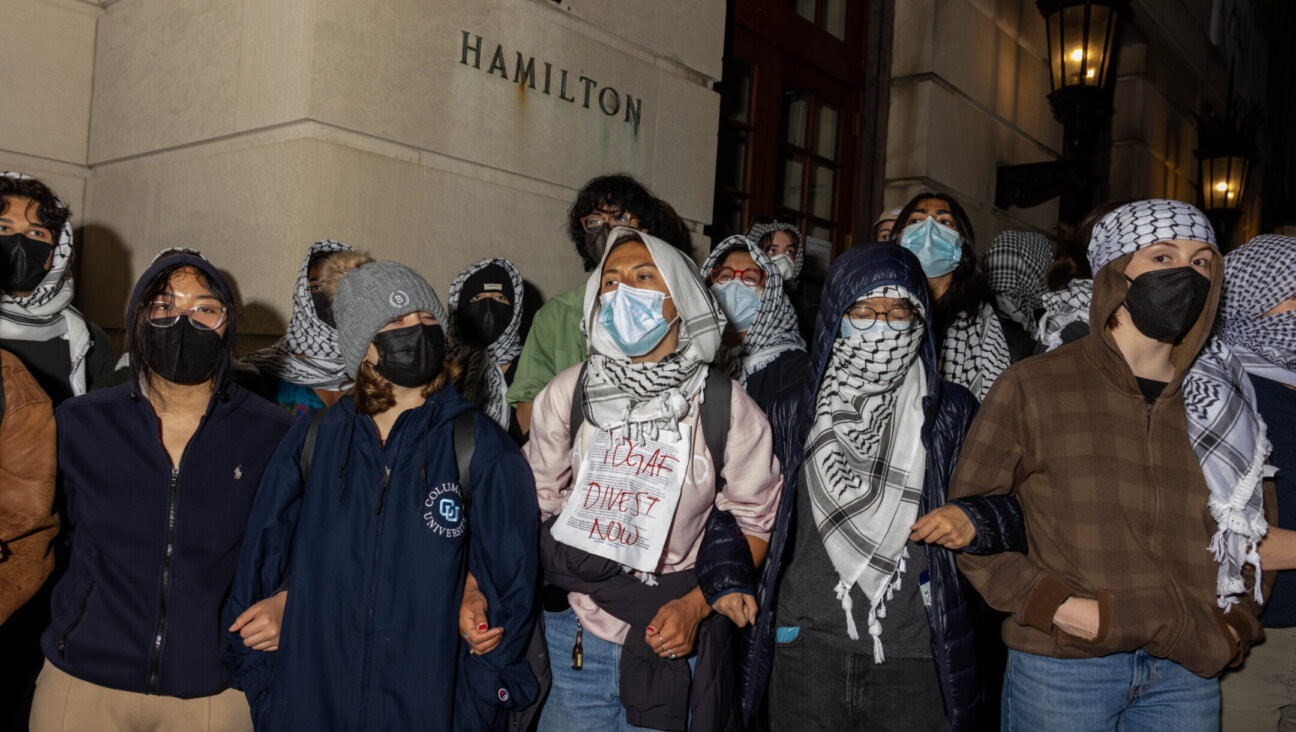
(308, 447)
(577, 408)
(715, 420)
(464, 443)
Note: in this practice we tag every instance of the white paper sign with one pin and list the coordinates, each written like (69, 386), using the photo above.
(624, 499)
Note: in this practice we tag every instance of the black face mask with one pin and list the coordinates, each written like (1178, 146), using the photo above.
(323, 308)
(410, 356)
(595, 244)
(482, 321)
(183, 353)
(23, 260)
(1164, 303)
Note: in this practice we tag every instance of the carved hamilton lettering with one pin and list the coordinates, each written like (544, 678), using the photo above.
(609, 99)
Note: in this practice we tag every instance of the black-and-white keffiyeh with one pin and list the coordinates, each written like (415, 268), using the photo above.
(1224, 424)
(1061, 309)
(1258, 276)
(483, 379)
(47, 313)
(308, 354)
(775, 328)
(865, 462)
(758, 232)
(1015, 266)
(647, 397)
(974, 351)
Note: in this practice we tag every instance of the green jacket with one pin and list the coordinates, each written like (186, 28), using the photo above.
(555, 343)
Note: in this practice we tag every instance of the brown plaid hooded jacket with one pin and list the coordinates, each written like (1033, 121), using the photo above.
(1114, 501)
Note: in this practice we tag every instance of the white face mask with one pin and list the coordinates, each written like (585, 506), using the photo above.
(784, 264)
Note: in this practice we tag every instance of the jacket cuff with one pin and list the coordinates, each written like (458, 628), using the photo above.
(1248, 629)
(1043, 602)
(980, 543)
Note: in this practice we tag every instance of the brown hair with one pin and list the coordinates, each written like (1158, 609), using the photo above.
(374, 394)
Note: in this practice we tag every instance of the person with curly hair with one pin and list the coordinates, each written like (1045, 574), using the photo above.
(556, 341)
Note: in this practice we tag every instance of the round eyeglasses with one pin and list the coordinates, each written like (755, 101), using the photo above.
(163, 314)
(752, 277)
(897, 318)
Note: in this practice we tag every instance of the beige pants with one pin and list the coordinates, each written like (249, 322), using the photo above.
(1261, 695)
(65, 703)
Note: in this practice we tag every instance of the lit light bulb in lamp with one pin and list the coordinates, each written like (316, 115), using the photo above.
(1223, 186)
(1077, 55)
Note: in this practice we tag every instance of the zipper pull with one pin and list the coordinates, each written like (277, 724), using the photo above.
(382, 494)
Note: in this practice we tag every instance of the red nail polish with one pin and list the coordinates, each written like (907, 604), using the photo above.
(481, 627)
(652, 629)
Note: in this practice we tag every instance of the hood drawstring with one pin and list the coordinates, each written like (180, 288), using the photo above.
(427, 427)
(346, 457)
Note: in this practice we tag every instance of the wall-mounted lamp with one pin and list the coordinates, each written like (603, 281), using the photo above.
(1224, 152)
(1082, 42)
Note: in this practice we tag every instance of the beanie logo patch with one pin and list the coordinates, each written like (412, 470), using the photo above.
(398, 299)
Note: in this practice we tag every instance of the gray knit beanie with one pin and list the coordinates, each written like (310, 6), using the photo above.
(371, 296)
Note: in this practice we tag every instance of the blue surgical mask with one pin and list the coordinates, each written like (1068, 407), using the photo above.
(851, 327)
(939, 248)
(633, 318)
(739, 302)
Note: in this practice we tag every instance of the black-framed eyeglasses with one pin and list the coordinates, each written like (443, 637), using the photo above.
(163, 314)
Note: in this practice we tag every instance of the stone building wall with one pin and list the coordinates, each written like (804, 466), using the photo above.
(969, 93)
(435, 132)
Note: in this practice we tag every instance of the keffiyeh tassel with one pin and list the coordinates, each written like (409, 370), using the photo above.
(1240, 531)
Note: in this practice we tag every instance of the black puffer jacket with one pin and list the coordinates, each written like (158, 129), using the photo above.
(949, 410)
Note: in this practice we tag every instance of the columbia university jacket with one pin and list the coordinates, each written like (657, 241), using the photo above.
(377, 545)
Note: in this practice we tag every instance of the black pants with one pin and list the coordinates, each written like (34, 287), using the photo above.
(817, 687)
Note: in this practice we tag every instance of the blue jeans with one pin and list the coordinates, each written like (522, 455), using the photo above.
(1123, 691)
(588, 700)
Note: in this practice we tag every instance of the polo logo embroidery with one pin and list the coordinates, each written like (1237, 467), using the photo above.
(444, 510)
(398, 299)
(238, 472)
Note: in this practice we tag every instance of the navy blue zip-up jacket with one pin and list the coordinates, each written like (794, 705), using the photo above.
(154, 551)
(949, 410)
(377, 546)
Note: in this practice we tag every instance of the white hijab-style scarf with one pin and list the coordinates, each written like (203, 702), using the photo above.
(648, 397)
